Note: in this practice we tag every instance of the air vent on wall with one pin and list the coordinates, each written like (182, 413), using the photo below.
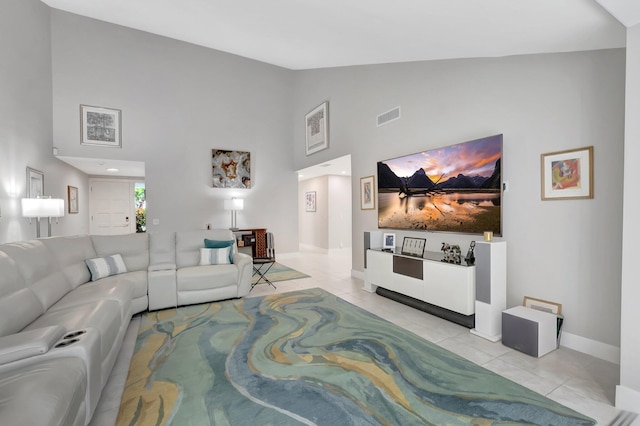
(389, 116)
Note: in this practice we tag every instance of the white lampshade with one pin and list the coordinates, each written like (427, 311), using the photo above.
(234, 204)
(42, 207)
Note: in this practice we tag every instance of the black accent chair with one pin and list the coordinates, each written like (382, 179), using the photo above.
(262, 265)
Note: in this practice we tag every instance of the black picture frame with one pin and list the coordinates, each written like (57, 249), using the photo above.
(412, 246)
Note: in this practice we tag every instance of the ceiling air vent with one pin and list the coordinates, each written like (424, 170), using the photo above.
(389, 116)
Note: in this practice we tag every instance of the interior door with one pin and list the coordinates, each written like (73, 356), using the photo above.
(112, 207)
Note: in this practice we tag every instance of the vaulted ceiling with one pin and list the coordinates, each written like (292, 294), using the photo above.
(303, 34)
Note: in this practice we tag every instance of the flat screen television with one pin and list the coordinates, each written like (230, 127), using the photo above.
(456, 188)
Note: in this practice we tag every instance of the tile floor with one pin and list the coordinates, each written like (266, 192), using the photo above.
(579, 381)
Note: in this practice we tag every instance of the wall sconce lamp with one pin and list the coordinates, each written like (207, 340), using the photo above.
(42, 207)
(233, 205)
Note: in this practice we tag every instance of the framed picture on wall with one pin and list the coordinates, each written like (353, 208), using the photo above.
(367, 193)
(72, 199)
(310, 199)
(100, 126)
(35, 183)
(317, 128)
(567, 174)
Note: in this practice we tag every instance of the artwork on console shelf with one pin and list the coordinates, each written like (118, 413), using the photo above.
(388, 241)
(542, 305)
(100, 126)
(367, 193)
(317, 128)
(310, 200)
(413, 246)
(35, 183)
(72, 199)
(231, 169)
(567, 174)
(456, 188)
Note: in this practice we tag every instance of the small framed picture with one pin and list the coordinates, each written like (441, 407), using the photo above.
(310, 201)
(567, 174)
(100, 126)
(317, 128)
(388, 241)
(542, 305)
(367, 193)
(413, 246)
(72, 199)
(35, 183)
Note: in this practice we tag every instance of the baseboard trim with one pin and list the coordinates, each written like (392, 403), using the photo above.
(357, 274)
(627, 399)
(591, 347)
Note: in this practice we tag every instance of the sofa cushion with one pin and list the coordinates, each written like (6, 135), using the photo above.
(103, 316)
(134, 249)
(49, 392)
(40, 270)
(19, 306)
(103, 267)
(112, 288)
(215, 256)
(70, 253)
(206, 277)
(162, 247)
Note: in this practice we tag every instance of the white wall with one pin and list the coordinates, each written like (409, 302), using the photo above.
(628, 393)
(314, 225)
(329, 227)
(178, 102)
(26, 122)
(564, 251)
(339, 188)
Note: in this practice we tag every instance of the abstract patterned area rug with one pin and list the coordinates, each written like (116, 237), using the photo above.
(310, 358)
(280, 272)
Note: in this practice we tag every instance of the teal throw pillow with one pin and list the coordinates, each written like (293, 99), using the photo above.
(220, 244)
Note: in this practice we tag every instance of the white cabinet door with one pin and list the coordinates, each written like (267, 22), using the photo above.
(450, 286)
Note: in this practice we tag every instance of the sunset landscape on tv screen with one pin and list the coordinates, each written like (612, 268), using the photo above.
(456, 188)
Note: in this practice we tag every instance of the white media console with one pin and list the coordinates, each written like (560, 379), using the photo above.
(472, 296)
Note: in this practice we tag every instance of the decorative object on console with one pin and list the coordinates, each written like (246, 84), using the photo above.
(231, 169)
(317, 129)
(310, 201)
(367, 193)
(470, 258)
(388, 241)
(100, 126)
(43, 206)
(413, 246)
(233, 205)
(35, 183)
(413, 189)
(488, 236)
(72, 199)
(452, 253)
(567, 174)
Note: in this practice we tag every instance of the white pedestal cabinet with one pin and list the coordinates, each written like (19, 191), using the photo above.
(491, 288)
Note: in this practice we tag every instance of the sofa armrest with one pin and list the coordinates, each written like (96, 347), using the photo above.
(162, 267)
(29, 343)
(244, 262)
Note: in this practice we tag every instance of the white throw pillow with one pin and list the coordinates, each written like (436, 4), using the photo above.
(215, 256)
(102, 267)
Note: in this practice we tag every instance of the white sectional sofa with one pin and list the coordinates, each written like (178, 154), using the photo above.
(60, 332)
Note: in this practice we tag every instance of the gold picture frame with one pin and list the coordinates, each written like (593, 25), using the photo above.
(567, 174)
(367, 193)
(542, 305)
